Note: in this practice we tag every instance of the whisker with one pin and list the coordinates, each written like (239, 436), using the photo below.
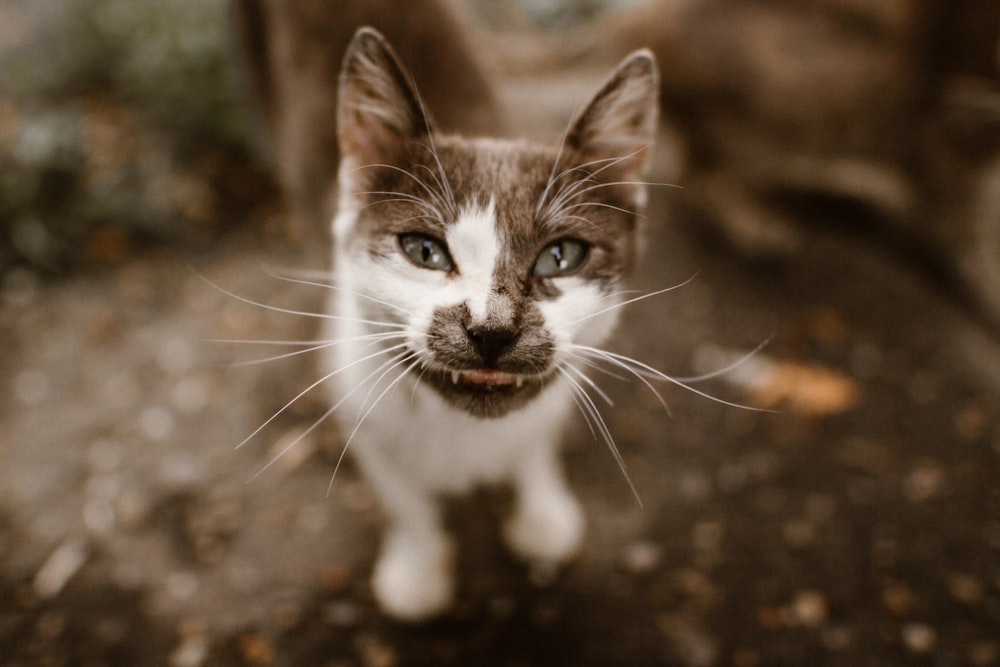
(442, 180)
(286, 355)
(316, 384)
(247, 341)
(364, 417)
(575, 192)
(302, 436)
(372, 338)
(729, 367)
(587, 407)
(590, 363)
(432, 212)
(549, 207)
(602, 354)
(642, 370)
(598, 204)
(364, 402)
(572, 189)
(420, 182)
(553, 178)
(593, 385)
(638, 298)
(338, 288)
(292, 311)
(444, 193)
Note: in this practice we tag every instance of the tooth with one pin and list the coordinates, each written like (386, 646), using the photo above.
(454, 377)
(518, 381)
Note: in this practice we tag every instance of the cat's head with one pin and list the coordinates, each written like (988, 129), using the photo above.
(498, 256)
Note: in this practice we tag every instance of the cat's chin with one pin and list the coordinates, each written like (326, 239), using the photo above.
(486, 393)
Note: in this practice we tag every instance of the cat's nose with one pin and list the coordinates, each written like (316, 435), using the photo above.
(491, 342)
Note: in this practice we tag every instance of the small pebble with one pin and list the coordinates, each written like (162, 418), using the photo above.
(966, 588)
(99, 516)
(182, 585)
(695, 486)
(820, 508)
(798, 534)
(692, 643)
(809, 609)
(898, 599)
(20, 287)
(256, 649)
(642, 557)
(376, 653)
(837, 638)
(190, 394)
(51, 625)
(191, 652)
(335, 578)
(971, 423)
(176, 356)
(157, 423)
(342, 614)
(919, 637)
(59, 568)
(925, 482)
(984, 653)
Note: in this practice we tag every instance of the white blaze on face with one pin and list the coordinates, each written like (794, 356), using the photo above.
(583, 314)
(475, 249)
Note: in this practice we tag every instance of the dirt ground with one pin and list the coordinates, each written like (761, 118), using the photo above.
(858, 524)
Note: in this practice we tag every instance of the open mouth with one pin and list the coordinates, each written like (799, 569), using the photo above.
(487, 379)
(486, 392)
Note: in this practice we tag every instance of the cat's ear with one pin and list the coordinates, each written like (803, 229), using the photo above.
(378, 111)
(615, 132)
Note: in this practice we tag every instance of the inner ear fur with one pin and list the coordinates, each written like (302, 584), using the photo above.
(378, 110)
(617, 128)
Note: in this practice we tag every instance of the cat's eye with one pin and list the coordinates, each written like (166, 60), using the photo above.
(560, 258)
(426, 251)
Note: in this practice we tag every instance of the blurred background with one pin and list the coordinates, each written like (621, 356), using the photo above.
(840, 165)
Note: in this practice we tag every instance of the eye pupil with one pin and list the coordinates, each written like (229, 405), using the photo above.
(560, 258)
(426, 252)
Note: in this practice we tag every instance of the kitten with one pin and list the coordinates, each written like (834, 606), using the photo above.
(475, 280)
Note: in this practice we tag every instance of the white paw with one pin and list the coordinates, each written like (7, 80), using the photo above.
(413, 581)
(548, 532)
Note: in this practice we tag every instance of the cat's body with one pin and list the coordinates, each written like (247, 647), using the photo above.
(473, 280)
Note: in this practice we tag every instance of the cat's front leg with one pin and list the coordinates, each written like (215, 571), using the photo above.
(413, 579)
(548, 524)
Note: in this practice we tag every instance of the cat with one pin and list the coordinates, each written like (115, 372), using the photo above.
(474, 281)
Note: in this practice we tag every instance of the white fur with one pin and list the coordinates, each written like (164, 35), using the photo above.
(414, 447)
(475, 247)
